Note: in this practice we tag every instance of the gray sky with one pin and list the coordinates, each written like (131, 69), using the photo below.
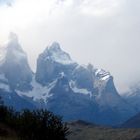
(103, 32)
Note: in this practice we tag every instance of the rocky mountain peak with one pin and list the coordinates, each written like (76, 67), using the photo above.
(13, 43)
(55, 46)
(56, 54)
(15, 65)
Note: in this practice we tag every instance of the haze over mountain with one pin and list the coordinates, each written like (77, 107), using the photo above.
(102, 32)
(133, 96)
(14, 65)
(60, 85)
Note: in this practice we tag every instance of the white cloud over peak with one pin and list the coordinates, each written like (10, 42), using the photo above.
(25, 12)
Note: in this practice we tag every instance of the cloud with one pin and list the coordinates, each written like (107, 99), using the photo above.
(99, 7)
(6, 2)
(103, 32)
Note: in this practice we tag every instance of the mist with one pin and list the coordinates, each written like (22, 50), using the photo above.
(102, 32)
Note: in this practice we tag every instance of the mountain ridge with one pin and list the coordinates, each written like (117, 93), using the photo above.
(63, 87)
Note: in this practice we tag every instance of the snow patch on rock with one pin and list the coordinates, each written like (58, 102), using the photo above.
(38, 92)
(75, 89)
(55, 53)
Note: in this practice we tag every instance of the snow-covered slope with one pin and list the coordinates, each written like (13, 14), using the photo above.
(38, 92)
(61, 85)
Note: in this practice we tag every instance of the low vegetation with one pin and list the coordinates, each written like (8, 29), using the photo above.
(44, 125)
(31, 125)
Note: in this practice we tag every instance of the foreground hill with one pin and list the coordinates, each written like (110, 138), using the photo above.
(85, 131)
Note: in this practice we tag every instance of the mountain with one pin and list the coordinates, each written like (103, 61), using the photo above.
(15, 74)
(133, 96)
(133, 122)
(51, 63)
(62, 86)
(88, 93)
(14, 68)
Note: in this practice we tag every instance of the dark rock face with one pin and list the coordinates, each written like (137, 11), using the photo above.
(83, 78)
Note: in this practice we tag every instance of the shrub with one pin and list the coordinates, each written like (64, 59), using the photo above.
(34, 125)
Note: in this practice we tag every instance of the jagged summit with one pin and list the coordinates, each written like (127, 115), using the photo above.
(14, 51)
(15, 65)
(55, 46)
(102, 74)
(56, 54)
(52, 62)
(13, 43)
(11, 50)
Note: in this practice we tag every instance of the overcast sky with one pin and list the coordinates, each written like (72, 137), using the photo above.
(105, 33)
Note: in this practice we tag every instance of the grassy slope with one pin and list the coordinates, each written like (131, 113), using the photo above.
(80, 131)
